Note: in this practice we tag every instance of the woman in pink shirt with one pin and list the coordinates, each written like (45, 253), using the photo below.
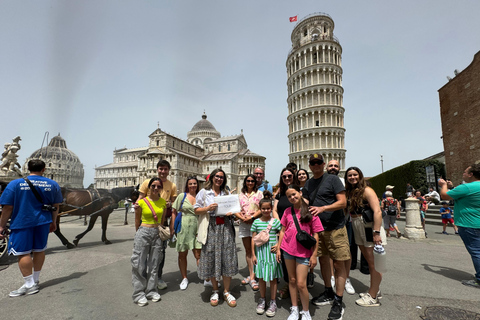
(298, 259)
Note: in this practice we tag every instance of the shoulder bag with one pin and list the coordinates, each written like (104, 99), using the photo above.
(163, 231)
(305, 239)
(263, 236)
(177, 225)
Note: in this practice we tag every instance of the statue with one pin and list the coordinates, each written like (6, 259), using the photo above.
(9, 157)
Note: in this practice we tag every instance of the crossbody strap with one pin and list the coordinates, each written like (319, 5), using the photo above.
(295, 219)
(184, 196)
(270, 223)
(34, 190)
(151, 208)
(315, 191)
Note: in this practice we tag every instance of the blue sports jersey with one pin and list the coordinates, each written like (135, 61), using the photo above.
(27, 210)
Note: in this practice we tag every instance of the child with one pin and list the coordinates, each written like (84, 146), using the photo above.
(298, 259)
(266, 266)
(446, 213)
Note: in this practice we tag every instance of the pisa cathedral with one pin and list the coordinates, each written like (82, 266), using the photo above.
(204, 150)
(315, 93)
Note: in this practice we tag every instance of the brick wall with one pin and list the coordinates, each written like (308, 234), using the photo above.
(460, 116)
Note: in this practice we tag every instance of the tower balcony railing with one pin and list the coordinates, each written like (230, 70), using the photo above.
(320, 38)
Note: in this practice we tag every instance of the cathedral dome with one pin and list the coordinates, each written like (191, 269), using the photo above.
(62, 165)
(202, 131)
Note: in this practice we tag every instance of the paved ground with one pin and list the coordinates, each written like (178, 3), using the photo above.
(93, 281)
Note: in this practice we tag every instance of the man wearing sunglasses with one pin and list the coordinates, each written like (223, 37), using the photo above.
(261, 185)
(326, 195)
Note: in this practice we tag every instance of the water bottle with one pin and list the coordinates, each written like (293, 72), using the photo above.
(380, 258)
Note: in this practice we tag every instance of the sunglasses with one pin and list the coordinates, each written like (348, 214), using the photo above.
(154, 186)
(290, 176)
(251, 181)
(313, 163)
(220, 177)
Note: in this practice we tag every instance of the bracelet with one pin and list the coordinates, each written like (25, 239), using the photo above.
(375, 231)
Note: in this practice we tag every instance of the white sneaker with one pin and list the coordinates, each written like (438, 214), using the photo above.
(142, 301)
(293, 314)
(208, 283)
(161, 284)
(306, 315)
(184, 284)
(332, 281)
(348, 287)
(156, 297)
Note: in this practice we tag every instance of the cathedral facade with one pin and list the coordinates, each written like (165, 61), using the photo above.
(204, 150)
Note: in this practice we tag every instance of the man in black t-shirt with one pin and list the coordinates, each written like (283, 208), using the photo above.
(326, 196)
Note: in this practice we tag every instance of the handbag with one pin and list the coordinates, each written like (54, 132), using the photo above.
(163, 231)
(177, 225)
(263, 236)
(367, 214)
(303, 237)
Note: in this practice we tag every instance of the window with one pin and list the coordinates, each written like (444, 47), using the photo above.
(229, 147)
(158, 142)
(219, 148)
(305, 33)
(317, 123)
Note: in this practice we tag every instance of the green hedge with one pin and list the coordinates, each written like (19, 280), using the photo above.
(412, 172)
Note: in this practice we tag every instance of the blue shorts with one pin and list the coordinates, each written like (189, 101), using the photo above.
(24, 241)
(299, 260)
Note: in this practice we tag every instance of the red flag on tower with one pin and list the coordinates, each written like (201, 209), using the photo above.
(293, 19)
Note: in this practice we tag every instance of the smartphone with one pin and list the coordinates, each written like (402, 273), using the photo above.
(369, 234)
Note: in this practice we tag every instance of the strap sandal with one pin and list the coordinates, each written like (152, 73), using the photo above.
(254, 285)
(231, 301)
(246, 280)
(214, 298)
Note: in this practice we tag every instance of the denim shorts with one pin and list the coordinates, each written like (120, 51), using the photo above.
(299, 260)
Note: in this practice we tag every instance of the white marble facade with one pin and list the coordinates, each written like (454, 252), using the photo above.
(203, 151)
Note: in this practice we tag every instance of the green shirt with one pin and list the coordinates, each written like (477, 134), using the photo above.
(467, 204)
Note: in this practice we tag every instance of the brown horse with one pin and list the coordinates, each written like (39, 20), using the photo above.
(94, 203)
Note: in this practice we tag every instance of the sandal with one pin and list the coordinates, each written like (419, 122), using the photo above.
(214, 298)
(231, 301)
(254, 285)
(284, 292)
(246, 280)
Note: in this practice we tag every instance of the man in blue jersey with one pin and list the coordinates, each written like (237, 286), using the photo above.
(33, 217)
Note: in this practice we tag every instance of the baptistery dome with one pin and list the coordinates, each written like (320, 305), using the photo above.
(63, 165)
(203, 131)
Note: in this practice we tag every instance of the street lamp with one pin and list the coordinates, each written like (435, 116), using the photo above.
(381, 160)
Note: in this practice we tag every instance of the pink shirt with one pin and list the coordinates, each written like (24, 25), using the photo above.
(289, 242)
(249, 203)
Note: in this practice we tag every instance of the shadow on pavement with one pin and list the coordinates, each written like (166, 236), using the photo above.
(56, 281)
(453, 274)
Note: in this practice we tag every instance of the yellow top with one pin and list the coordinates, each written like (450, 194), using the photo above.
(159, 207)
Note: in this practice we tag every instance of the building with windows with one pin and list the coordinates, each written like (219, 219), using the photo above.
(315, 93)
(204, 150)
(62, 165)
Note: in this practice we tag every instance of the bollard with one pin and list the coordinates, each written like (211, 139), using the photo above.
(413, 224)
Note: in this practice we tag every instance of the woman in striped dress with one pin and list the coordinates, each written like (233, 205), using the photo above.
(266, 266)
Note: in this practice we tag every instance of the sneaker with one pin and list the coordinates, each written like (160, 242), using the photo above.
(272, 309)
(444, 232)
(261, 306)
(208, 283)
(156, 297)
(336, 312)
(310, 279)
(471, 283)
(184, 284)
(306, 315)
(323, 299)
(142, 302)
(456, 232)
(367, 301)
(379, 294)
(348, 287)
(161, 284)
(293, 314)
(332, 281)
(23, 290)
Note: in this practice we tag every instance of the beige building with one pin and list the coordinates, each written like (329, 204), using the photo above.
(203, 151)
(315, 93)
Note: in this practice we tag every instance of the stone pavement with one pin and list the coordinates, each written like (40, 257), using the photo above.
(93, 281)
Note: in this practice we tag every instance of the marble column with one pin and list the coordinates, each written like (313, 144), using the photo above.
(413, 224)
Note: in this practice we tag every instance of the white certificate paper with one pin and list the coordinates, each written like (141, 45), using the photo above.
(227, 204)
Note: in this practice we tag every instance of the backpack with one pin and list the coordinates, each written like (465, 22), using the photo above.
(391, 207)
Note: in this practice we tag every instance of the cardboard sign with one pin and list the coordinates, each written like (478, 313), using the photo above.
(227, 204)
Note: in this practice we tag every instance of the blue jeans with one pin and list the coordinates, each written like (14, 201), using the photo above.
(471, 239)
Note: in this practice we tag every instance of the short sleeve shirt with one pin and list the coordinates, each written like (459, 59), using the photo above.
(259, 225)
(326, 195)
(147, 215)
(467, 204)
(249, 202)
(265, 186)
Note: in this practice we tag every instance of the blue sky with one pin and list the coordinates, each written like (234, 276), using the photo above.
(103, 73)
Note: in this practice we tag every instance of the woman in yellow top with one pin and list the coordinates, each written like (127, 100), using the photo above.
(147, 245)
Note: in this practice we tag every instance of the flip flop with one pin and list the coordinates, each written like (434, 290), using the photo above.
(246, 280)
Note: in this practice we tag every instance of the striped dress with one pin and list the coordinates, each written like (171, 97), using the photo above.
(267, 267)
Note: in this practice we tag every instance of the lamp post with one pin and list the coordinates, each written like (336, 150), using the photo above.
(381, 160)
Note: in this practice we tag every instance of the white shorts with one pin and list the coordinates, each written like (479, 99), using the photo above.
(244, 230)
(359, 232)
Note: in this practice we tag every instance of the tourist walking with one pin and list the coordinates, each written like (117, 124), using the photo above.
(249, 198)
(267, 268)
(367, 234)
(187, 235)
(218, 258)
(391, 207)
(147, 245)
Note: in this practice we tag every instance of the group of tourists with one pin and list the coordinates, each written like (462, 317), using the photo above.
(283, 235)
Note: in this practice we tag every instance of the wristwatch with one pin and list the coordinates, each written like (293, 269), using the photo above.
(375, 231)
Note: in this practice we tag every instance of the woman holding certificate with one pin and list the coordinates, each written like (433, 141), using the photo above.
(216, 233)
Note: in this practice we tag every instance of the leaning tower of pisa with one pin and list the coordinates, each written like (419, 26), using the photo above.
(315, 93)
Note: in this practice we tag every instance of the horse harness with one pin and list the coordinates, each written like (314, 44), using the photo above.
(94, 197)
